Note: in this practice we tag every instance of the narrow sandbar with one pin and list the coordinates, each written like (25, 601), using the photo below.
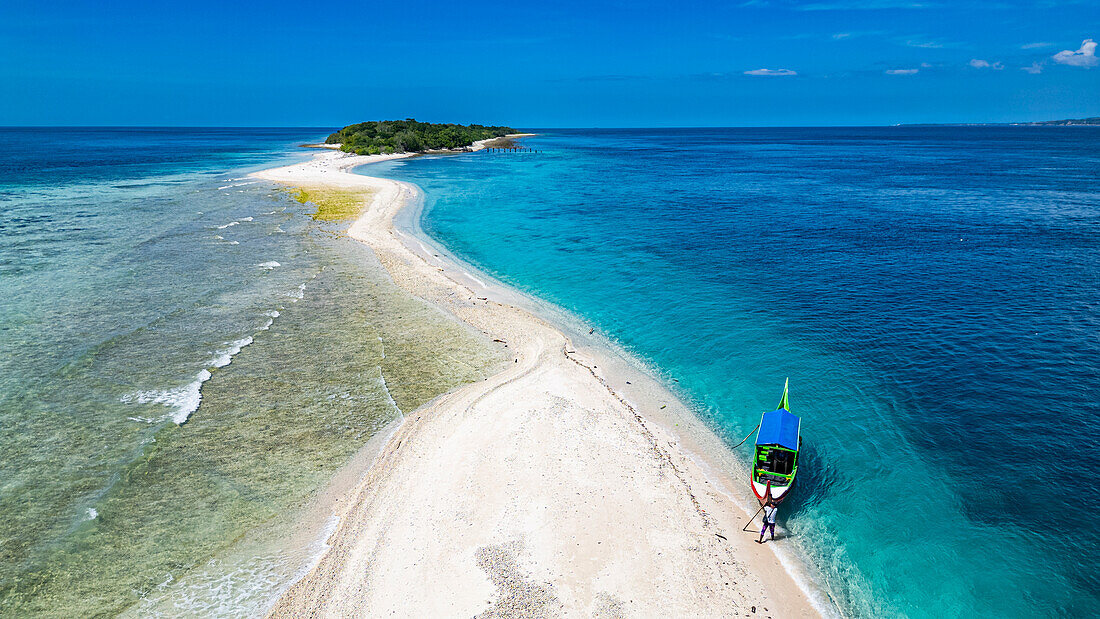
(550, 488)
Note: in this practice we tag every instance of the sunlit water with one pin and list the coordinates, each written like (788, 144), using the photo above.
(933, 294)
(186, 357)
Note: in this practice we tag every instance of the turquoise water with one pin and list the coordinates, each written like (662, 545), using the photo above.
(932, 293)
(186, 358)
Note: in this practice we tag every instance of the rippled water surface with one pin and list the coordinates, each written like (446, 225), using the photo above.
(933, 293)
(186, 357)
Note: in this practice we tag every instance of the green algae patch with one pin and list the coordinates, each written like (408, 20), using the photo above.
(333, 204)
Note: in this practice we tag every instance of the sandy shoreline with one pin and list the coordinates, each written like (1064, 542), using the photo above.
(571, 483)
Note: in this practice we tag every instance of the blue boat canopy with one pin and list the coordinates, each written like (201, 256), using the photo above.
(779, 428)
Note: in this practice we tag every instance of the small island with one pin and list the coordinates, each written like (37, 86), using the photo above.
(411, 136)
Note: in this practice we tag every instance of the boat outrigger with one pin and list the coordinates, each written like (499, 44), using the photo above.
(776, 461)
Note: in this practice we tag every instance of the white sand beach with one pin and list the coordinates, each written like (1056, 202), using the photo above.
(568, 484)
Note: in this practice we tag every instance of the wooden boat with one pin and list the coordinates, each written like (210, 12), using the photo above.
(775, 463)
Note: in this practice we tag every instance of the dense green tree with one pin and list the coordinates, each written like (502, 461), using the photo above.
(410, 136)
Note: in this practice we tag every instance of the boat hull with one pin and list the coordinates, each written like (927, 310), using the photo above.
(777, 493)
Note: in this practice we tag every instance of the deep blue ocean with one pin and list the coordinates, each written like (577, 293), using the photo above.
(933, 293)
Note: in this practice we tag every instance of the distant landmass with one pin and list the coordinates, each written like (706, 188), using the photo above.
(1095, 120)
(1066, 122)
(410, 136)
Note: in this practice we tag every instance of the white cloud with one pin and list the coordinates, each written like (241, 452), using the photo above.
(1083, 57)
(1034, 69)
(842, 35)
(856, 5)
(1035, 45)
(902, 71)
(771, 72)
(985, 64)
(924, 44)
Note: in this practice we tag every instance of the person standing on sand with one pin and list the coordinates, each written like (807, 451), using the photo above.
(769, 520)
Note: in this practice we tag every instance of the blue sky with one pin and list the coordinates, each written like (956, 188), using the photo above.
(548, 64)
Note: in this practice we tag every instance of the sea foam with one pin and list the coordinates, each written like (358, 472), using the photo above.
(272, 315)
(236, 184)
(184, 400)
(223, 358)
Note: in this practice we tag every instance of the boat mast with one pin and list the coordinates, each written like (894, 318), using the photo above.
(783, 402)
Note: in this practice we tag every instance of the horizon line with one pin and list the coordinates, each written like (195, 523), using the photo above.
(563, 127)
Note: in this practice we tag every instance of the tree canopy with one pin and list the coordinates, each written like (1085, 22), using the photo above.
(410, 136)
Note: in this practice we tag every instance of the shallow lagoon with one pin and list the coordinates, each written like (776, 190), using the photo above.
(188, 357)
